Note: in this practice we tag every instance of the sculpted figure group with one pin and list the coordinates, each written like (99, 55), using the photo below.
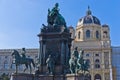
(77, 62)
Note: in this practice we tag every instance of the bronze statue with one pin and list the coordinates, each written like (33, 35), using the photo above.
(54, 18)
(56, 22)
(73, 61)
(18, 60)
(82, 63)
(75, 53)
(72, 64)
(50, 64)
(77, 62)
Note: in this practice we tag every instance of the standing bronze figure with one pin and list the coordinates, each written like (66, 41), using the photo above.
(50, 64)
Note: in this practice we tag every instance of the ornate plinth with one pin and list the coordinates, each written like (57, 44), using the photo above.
(48, 77)
(56, 44)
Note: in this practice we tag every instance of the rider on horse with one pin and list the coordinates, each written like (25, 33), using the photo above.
(23, 53)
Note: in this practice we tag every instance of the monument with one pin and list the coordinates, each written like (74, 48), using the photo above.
(55, 40)
(55, 57)
(21, 59)
(55, 60)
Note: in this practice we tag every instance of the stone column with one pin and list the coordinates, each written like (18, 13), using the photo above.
(103, 75)
(40, 56)
(92, 75)
(110, 66)
(103, 60)
(44, 53)
(69, 49)
(62, 56)
(92, 61)
(62, 53)
(67, 53)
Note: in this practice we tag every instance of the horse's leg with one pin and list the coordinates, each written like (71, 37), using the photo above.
(11, 65)
(26, 67)
(16, 68)
(33, 63)
(30, 68)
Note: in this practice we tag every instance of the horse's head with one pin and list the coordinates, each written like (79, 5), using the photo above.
(15, 53)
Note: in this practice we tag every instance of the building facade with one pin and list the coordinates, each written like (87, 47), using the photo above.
(94, 39)
(6, 59)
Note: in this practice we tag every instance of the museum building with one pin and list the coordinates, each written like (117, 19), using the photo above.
(94, 39)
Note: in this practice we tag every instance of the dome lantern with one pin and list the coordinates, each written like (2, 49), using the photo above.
(88, 11)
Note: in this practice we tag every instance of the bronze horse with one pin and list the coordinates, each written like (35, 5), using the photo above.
(18, 60)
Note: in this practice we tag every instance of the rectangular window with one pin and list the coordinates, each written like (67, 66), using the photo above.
(97, 55)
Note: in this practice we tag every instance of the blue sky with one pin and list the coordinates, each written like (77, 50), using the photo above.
(20, 20)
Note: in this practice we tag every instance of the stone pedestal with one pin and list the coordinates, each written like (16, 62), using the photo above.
(57, 44)
(22, 76)
(47, 77)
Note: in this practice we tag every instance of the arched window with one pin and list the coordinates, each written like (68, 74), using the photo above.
(97, 77)
(97, 34)
(97, 61)
(105, 34)
(87, 55)
(88, 34)
(79, 34)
